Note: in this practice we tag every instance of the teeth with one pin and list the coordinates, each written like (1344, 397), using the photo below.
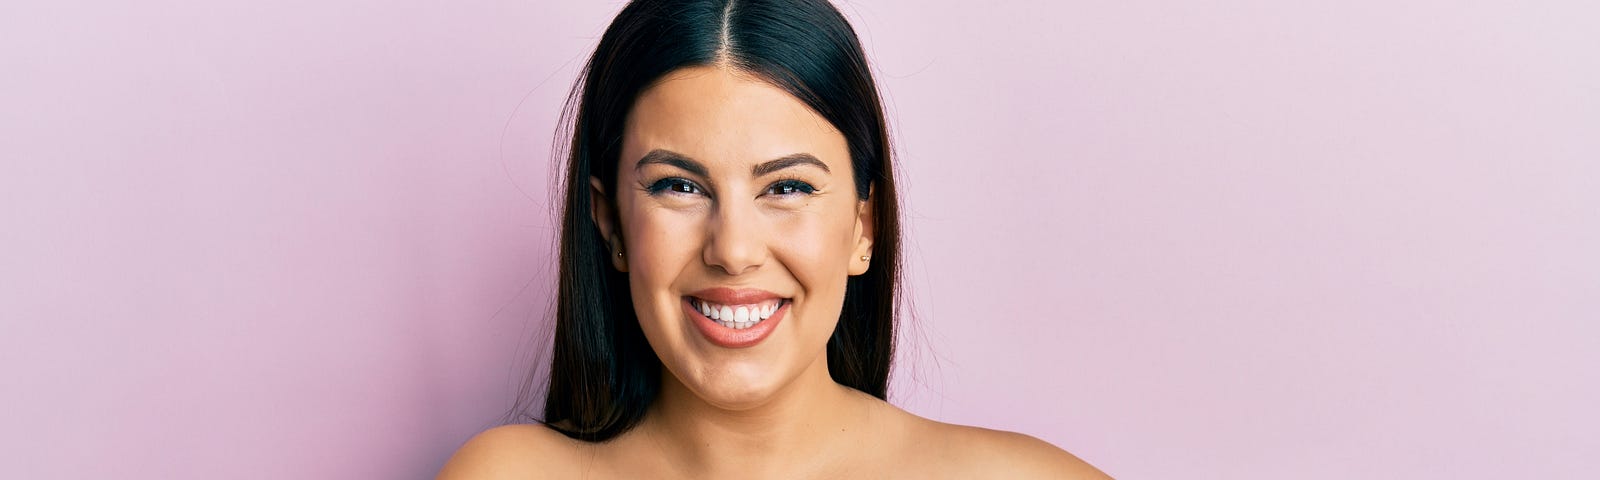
(736, 317)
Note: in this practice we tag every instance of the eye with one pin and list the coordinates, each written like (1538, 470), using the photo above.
(791, 187)
(675, 185)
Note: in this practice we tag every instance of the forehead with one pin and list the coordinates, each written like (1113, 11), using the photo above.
(718, 115)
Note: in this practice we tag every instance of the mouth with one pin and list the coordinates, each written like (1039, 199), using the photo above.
(737, 317)
(735, 325)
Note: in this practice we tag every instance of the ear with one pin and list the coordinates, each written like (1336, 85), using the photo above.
(605, 217)
(865, 231)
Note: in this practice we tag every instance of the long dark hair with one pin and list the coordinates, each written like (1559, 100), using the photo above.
(603, 374)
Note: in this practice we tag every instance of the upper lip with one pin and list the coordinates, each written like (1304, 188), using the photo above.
(734, 296)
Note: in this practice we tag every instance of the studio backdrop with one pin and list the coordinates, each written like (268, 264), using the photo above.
(1234, 239)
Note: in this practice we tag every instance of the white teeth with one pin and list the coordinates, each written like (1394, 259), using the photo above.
(736, 317)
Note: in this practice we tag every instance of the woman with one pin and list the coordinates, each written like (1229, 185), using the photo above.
(729, 264)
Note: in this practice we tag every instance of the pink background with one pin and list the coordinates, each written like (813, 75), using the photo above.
(1234, 239)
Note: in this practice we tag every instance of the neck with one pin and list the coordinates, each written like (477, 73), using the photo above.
(801, 428)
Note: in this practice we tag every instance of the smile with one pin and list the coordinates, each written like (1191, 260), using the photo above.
(735, 318)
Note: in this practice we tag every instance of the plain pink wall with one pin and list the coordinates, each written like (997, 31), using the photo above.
(1182, 240)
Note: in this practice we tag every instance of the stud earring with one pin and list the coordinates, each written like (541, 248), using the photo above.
(863, 258)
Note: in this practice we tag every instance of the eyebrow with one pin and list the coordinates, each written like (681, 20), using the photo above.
(668, 157)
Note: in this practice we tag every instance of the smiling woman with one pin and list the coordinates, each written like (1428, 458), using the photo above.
(729, 265)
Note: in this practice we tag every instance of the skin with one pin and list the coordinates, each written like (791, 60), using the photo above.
(770, 410)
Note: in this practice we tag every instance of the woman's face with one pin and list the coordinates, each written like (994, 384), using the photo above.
(736, 200)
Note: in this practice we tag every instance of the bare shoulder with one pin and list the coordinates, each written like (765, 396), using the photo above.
(991, 453)
(523, 451)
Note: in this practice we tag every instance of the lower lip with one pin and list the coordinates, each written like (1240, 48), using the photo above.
(734, 338)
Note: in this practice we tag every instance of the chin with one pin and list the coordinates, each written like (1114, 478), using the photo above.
(737, 387)
(738, 399)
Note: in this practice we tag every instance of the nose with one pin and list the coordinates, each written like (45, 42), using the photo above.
(737, 240)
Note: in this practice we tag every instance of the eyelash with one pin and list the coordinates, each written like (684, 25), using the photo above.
(797, 186)
(669, 184)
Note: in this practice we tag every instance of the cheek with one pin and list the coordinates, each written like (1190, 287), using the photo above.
(663, 236)
(810, 242)
(814, 247)
(664, 244)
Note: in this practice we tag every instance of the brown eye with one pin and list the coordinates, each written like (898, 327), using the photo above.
(791, 187)
(675, 185)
